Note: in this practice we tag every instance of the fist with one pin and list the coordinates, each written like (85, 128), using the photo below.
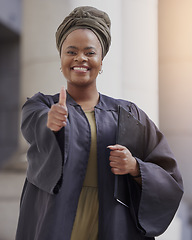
(57, 116)
(122, 162)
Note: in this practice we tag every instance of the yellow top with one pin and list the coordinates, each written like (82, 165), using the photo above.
(86, 221)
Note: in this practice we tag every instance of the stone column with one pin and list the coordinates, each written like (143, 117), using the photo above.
(40, 63)
(140, 54)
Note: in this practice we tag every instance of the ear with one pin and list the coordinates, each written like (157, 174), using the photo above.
(100, 69)
(101, 65)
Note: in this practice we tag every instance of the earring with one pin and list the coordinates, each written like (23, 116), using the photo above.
(100, 71)
(60, 69)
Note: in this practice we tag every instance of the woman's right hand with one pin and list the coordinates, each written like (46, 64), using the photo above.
(57, 116)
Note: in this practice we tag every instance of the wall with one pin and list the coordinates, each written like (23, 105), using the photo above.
(175, 85)
(10, 14)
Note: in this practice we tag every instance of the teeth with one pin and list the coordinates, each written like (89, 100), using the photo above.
(80, 69)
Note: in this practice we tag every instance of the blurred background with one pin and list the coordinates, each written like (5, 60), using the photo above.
(149, 63)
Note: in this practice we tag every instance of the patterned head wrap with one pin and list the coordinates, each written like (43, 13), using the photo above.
(86, 17)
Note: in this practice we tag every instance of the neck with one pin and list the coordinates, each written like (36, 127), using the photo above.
(87, 98)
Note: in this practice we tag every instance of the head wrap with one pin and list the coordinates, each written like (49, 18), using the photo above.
(86, 18)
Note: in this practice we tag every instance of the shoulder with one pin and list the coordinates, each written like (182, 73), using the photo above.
(40, 98)
(111, 103)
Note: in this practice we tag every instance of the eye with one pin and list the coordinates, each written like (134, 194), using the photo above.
(90, 53)
(71, 52)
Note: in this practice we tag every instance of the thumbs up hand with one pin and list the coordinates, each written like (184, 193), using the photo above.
(62, 97)
(57, 116)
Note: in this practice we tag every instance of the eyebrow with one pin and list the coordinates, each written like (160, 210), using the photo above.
(86, 48)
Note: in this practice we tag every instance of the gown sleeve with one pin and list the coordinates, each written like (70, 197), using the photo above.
(44, 155)
(154, 204)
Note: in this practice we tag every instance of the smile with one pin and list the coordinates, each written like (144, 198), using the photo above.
(80, 69)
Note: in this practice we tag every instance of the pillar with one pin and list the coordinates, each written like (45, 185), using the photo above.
(40, 63)
(140, 54)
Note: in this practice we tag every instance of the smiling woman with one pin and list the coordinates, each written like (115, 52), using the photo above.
(99, 168)
(81, 60)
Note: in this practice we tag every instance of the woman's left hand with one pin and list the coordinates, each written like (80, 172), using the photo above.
(122, 162)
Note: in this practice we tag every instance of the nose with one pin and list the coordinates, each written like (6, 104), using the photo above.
(80, 57)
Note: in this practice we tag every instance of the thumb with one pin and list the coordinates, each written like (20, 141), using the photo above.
(116, 147)
(62, 97)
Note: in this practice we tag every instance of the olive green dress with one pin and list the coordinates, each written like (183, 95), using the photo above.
(86, 222)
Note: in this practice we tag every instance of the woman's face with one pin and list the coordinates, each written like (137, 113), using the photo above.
(81, 58)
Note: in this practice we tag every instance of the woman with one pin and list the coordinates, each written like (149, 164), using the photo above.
(98, 167)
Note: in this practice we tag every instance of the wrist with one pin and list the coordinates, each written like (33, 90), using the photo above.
(136, 172)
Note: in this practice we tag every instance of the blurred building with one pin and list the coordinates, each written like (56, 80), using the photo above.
(150, 63)
(175, 86)
(10, 31)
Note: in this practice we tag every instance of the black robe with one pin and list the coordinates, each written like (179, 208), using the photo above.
(57, 166)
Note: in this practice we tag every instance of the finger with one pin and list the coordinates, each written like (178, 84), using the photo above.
(60, 117)
(56, 128)
(117, 159)
(114, 171)
(114, 165)
(56, 125)
(117, 171)
(62, 97)
(116, 147)
(57, 108)
(114, 158)
(118, 153)
(117, 162)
